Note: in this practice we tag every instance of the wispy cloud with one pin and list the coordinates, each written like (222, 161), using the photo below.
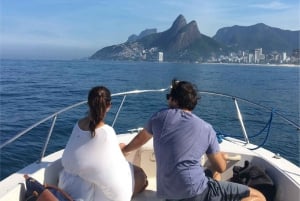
(273, 5)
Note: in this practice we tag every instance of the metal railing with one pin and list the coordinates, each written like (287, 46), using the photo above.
(124, 94)
(55, 115)
(235, 98)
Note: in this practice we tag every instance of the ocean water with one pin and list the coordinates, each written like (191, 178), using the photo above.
(32, 90)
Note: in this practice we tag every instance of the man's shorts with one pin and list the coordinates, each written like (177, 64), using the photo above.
(220, 190)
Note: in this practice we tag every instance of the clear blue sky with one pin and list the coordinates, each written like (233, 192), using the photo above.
(71, 29)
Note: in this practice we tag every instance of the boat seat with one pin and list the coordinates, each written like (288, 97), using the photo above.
(148, 163)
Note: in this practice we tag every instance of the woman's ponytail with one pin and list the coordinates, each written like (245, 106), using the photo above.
(99, 100)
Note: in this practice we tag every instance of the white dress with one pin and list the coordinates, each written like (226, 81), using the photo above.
(95, 168)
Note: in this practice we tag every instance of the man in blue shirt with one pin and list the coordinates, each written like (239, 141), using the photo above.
(180, 139)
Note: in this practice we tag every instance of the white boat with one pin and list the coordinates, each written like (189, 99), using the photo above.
(285, 175)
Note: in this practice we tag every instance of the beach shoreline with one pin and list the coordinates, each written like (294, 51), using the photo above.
(244, 64)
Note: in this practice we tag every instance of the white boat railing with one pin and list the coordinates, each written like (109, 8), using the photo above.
(239, 114)
(55, 115)
(124, 94)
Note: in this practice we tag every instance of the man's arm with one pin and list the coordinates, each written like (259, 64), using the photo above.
(218, 161)
(140, 139)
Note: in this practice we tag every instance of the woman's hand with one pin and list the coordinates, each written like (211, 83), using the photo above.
(122, 145)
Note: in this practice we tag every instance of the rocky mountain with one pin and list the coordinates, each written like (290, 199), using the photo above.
(181, 42)
(184, 42)
(258, 36)
(144, 33)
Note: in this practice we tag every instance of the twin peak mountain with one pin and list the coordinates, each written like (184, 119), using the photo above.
(183, 42)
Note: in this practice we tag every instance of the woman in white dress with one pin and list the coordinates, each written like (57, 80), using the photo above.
(94, 167)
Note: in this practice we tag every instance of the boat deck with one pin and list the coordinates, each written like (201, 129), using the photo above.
(284, 174)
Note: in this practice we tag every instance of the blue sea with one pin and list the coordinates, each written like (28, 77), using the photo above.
(32, 90)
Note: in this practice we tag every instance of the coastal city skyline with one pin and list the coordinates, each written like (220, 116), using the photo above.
(257, 56)
(63, 30)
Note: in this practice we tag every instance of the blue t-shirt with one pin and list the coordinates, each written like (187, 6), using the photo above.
(180, 139)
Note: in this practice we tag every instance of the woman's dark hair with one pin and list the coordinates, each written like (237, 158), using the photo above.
(185, 93)
(99, 99)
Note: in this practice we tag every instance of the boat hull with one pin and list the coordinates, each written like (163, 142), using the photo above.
(285, 175)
